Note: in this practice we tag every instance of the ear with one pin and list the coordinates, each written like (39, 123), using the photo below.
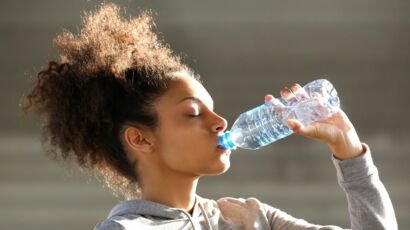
(138, 139)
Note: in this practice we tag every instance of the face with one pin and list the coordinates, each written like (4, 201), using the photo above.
(186, 139)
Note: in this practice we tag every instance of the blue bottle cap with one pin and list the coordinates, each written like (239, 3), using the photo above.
(226, 142)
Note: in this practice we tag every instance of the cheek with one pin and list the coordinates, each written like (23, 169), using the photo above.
(195, 155)
(191, 150)
(184, 136)
(180, 148)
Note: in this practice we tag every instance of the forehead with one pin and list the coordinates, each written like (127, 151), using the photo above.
(182, 86)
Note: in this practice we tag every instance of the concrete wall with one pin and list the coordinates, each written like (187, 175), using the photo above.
(243, 50)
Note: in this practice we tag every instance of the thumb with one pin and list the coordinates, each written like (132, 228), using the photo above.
(305, 130)
(315, 130)
(295, 125)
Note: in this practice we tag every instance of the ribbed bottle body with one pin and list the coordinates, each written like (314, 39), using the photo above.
(264, 124)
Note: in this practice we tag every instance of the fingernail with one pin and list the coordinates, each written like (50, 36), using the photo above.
(296, 85)
(285, 92)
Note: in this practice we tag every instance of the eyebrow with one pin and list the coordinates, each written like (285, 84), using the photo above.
(194, 99)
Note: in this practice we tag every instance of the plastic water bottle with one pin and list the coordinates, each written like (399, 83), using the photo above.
(265, 124)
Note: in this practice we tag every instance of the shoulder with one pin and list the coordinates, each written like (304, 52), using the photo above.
(248, 212)
(240, 202)
(228, 206)
(123, 223)
(243, 206)
(231, 201)
(248, 206)
(109, 224)
(124, 215)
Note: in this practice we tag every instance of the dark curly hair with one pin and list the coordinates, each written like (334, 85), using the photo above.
(108, 77)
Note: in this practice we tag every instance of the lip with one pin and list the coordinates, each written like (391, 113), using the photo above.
(221, 150)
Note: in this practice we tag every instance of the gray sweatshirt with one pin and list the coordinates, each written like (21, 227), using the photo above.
(368, 201)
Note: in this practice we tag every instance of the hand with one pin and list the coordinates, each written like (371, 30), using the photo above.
(336, 131)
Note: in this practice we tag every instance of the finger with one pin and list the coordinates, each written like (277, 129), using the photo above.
(304, 130)
(286, 93)
(275, 101)
(299, 92)
(289, 96)
(296, 87)
(268, 97)
(294, 125)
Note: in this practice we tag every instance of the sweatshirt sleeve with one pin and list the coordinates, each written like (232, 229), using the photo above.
(369, 203)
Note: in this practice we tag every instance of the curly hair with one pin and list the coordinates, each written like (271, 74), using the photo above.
(108, 76)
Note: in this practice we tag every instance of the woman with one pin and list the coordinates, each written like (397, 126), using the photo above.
(122, 105)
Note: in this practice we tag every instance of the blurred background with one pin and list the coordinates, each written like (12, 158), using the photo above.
(242, 50)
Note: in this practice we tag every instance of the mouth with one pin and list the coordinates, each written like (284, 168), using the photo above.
(220, 146)
(222, 150)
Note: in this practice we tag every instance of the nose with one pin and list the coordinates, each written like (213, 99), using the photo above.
(220, 124)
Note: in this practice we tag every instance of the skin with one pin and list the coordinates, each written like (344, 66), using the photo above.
(183, 147)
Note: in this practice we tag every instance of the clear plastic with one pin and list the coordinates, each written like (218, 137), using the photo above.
(264, 124)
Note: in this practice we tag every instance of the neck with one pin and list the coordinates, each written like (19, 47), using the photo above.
(170, 189)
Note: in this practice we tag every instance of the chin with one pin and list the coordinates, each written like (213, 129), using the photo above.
(222, 166)
(225, 169)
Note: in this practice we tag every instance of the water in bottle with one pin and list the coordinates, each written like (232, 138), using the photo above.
(265, 124)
